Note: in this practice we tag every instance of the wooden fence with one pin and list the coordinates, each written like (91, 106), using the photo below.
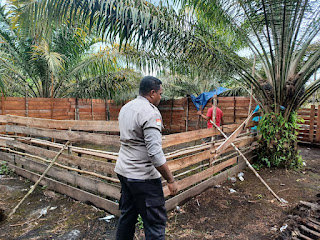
(85, 172)
(309, 131)
(179, 115)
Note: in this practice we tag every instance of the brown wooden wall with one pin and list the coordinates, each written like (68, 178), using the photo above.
(309, 130)
(179, 115)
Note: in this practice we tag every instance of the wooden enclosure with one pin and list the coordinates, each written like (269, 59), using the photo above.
(309, 131)
(85, 170)
(179, 115)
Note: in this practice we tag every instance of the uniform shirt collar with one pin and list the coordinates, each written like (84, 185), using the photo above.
(144, 99)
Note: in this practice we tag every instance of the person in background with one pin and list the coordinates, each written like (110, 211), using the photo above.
(208, 117)
(141, 163)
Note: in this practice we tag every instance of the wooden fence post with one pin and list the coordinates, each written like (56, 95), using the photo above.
(26, 102)
(318, 125)
(311, 130)
(234, 109)
(92, 117)
(76, 116)
(187, 114)
(2, 104)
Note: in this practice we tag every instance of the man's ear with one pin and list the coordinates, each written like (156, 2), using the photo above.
(152, 93)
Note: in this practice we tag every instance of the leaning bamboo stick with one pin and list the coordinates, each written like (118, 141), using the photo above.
(63, 166)
(41, 177)
(250, 166)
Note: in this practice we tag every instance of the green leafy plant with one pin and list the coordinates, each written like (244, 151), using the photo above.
(257, 166)
(140, 222)
(278, 141)
(5, 170)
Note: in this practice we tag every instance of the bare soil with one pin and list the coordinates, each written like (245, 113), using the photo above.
(251, 212)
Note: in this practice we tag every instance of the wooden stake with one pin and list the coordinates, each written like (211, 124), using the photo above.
(41, 177)
(250, 166)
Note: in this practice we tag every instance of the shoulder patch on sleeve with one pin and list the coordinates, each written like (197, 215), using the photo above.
(158, 122)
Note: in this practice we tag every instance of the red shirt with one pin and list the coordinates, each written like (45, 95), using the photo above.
(219, 115)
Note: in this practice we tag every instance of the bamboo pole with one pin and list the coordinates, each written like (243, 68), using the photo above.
(41, 177)
(250, 166)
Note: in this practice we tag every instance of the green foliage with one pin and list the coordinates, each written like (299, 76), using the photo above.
(140, 222)
(278, 141)
(5, 170)
(257, 166)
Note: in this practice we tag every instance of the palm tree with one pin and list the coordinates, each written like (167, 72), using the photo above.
(59, 63)
(280, 33)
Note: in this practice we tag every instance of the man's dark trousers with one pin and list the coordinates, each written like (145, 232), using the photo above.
(144, 197)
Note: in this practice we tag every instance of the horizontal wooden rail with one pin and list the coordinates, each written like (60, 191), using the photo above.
(189, 160)
(69, 177)
(70, 191)
(198, 177)
(82, 162)
(100, 139)
(179, 138)
(199, 188)
(98, 126)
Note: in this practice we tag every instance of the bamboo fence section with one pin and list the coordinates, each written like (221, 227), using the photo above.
(85, 171)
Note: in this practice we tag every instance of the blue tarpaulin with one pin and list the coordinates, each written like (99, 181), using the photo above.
(203, 98)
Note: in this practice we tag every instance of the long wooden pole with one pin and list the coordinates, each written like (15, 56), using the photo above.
(41, 177)
(250, 166)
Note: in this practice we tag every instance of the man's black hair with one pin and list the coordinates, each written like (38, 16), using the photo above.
(149, 83)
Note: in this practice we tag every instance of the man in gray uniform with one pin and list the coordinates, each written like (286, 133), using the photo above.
(140, 163)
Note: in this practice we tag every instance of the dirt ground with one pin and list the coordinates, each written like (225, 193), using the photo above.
(251, 212)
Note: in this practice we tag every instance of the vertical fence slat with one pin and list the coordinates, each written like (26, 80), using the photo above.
(2, 104)
(311, 130)
(318, 125)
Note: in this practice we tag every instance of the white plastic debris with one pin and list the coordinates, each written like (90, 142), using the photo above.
(178, 209)
(274, 229)
(44, 211)
(240, 176)
(52, 208)
(232, 190)
(233, 179)
(217, 186)
(284, 227)
(107, 218)
(304, 163)
(283, 200)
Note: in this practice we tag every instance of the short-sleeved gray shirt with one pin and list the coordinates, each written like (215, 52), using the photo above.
(140, 124)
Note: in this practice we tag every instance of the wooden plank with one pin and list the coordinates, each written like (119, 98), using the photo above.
(318, 125)
(232, 137)
(100, 139)
(198, 177)
(87, 151)
(69, 177)
(178, 138)
(188, 160)
(311, 130)
(105, 126)
(2, 128)
(70, 191)
(82, 162)
(199, 188)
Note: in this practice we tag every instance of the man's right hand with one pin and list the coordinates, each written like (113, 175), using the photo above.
(199, 113)
(173, 188)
